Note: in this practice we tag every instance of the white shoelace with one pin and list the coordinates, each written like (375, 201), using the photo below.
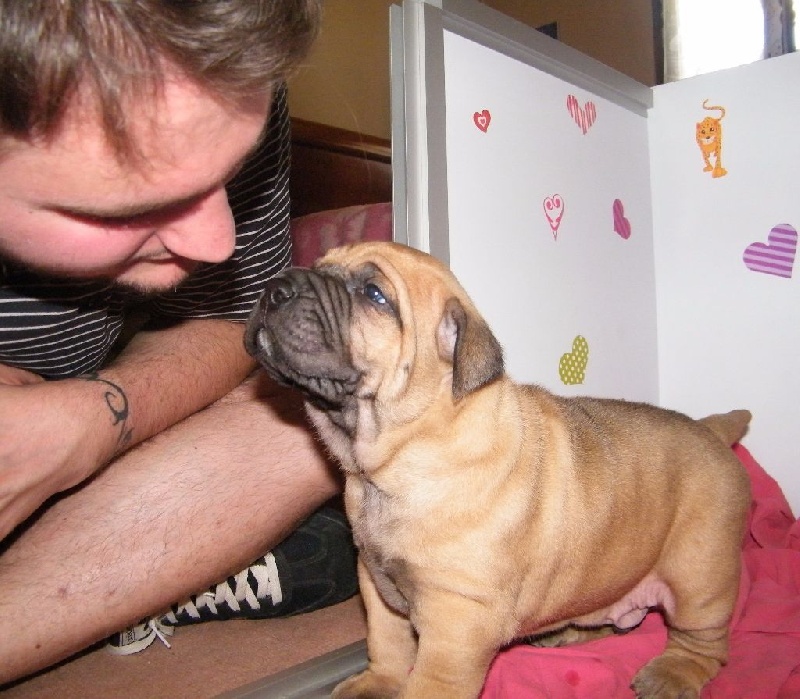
(267, 585)
(160, 631)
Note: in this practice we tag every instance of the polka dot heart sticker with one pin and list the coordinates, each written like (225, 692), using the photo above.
(572, 367)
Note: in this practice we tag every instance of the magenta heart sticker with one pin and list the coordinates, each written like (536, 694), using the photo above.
(584, 116)
(554, 211)
(622, 226)
(776, 256)
(482, 120)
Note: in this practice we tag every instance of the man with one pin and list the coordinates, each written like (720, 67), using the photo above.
(143, 193)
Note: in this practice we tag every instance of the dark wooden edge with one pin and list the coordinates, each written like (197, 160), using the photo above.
(334, 139)
(658, 40)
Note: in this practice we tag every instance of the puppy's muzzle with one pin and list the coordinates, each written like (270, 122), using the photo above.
(278, 292)
(299, 329)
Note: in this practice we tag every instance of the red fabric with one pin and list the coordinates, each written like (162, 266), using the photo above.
(315, 234)
(765, 641)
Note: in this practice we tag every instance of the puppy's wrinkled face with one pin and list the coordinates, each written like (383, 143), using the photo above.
(331, 331)
(374, 321)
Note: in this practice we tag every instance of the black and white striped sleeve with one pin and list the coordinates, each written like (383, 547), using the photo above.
(56, 328)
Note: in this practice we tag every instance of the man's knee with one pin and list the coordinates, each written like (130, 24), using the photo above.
(260, 390)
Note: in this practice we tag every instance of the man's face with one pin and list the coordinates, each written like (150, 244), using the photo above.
(69, 207)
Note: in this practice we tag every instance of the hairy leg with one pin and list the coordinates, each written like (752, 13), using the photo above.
(175, 515)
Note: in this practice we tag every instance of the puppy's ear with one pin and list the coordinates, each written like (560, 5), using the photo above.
(465, 340)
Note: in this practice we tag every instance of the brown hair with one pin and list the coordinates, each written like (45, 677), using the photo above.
(117, 49)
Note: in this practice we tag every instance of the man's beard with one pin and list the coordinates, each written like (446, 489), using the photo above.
(143, 287)
(115, 279)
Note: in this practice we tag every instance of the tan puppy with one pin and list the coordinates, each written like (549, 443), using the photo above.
(486, 511)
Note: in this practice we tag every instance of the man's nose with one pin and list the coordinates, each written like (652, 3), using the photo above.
(205, 232)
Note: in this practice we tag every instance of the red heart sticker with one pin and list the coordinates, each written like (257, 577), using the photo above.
(482, 120)
(584, 116)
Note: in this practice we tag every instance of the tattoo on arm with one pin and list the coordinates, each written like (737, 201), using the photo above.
(117, 403)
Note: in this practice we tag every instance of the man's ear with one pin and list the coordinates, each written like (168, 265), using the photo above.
(466, 341)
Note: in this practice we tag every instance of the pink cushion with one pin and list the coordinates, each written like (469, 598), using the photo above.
(313, 235)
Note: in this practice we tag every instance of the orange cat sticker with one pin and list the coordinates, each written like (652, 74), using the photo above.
(709, 139)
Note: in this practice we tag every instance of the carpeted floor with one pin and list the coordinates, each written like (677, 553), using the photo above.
(204, 661)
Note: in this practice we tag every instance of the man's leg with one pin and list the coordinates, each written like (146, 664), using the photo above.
(171, 517)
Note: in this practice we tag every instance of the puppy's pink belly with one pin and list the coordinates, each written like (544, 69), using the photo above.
(631, 609)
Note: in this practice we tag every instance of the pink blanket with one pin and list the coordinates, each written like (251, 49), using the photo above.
(765, 643)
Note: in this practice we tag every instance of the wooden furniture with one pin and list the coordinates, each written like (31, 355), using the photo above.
(333, 168)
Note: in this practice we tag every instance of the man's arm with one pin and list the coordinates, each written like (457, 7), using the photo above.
(163, 376)
(55, 434)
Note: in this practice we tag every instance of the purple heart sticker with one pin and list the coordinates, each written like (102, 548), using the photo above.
(776, 256)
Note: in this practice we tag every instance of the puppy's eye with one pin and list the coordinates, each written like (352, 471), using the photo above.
(374, 294)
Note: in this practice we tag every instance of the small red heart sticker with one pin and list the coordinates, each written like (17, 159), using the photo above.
(482, 120)
(584, 116)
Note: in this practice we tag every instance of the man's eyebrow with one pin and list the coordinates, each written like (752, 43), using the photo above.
(128, 211)
(139, 208)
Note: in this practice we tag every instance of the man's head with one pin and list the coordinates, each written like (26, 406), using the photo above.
(114, 54)
(121, 122)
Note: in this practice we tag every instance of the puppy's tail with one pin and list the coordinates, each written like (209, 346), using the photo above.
(729, 427)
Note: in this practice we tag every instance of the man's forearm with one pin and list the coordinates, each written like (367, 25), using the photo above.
(163, 376)
(56, 434)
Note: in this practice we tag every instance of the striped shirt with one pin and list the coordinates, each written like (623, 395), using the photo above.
(61, 328)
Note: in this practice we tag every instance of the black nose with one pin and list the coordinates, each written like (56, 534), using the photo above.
(278, 292)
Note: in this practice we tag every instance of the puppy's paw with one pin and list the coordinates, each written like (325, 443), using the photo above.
(668, 678)
(366, 685)
(570, 635)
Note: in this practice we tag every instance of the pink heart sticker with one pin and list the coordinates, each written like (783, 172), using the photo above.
(482, 120)
(622, 226)
(584, 116)
(777, 255)
(554, 211)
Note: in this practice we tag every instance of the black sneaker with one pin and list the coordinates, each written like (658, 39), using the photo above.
(312, 568)
(137, 638)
